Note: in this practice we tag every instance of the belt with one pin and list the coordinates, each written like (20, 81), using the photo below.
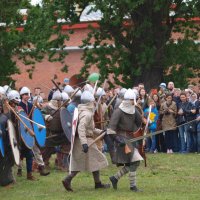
(127, 132)
(89, 137)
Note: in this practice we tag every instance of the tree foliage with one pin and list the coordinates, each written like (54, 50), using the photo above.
(143, 48)
(9, 38)
(133, 43)
(42, 33)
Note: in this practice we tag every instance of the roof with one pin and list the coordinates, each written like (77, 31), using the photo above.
(35, 2)
(92, 16)
(85, 16)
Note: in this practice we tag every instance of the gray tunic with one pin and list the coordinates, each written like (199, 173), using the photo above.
(121, 121)
(122, 124)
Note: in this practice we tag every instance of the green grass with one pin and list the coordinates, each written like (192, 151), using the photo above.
(167, 177)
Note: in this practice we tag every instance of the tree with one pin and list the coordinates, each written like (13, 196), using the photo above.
(9, 38)
(143, 49)
(35, 40)
(12, 40)
(133, 42)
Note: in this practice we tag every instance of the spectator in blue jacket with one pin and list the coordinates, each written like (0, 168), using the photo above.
(153, 117)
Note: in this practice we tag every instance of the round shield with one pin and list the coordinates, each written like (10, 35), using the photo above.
(75, 80)
(13, 142)
(66, 122)
(40, 132)
(28, 140)
(1, 142)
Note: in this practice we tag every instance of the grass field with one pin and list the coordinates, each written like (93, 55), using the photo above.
(167, 177)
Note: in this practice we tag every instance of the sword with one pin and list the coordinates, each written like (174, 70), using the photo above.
(156, 133)
(39, 125)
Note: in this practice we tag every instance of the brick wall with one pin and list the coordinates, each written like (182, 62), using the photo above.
(46, 70)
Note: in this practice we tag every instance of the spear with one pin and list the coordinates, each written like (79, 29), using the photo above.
(33, 107)
(17, 116)
(98, 138)
(56, 85)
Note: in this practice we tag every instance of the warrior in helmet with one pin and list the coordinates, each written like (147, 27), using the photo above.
(55, 131)
(14, 100)
(28, 107)
(6, 161)
(124, 122)
(85, 158)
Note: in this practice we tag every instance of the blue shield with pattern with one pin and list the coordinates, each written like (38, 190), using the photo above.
(28, 140)
(40, 131)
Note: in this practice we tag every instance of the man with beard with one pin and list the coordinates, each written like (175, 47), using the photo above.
(170, 87)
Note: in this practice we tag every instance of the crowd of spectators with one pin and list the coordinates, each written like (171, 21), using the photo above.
(171, 107)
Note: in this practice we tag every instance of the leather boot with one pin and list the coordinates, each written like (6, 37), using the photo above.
(34, 167)
(31, 177)
(101, 185)
(19, 172)
(42, 171)
(135, 189)
(114, 182)
(67, 184)
(67, 181)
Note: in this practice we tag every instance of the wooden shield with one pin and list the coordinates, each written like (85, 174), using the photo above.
(13, 141)
(1, 142)
(66, 121)
(28, 140)
(75, 80)
(40, 133)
